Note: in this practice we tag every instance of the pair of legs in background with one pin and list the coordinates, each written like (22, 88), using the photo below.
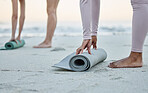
(51, 24)
(139, 30)
(15, 18)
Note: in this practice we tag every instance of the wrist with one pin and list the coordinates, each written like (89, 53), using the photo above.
(86, 39)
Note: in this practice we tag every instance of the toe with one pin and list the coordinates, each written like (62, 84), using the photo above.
(110, 65)
(113, 65)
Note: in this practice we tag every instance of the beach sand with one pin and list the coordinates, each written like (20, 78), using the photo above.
(28, 70)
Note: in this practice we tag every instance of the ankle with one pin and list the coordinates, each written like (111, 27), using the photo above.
(47, 42)
(136, 56)
(18, 37)
(12, 37)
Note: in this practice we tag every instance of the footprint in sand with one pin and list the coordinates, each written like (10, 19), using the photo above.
(146, 45)
(117, 78)
(57, 49)
(31, 90)
(5, 70)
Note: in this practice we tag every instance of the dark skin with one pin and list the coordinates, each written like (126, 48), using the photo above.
(94, 42)
(133, 61)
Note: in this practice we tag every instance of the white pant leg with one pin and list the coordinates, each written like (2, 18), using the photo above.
(95, 10)
(85, 7)
(139, 24)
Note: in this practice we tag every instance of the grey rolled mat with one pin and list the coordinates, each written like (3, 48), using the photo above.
(82, 62)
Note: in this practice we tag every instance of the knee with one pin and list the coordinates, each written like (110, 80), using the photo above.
(51, 11)
(14, 16)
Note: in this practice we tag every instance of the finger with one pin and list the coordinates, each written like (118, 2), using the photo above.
(95, 46)
(89, 46)
(89, 50)
(84, 44)
(81, 52)
(78, 51)
(92, 43)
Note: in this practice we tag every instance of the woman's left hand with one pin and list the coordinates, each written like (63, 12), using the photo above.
(94, 42)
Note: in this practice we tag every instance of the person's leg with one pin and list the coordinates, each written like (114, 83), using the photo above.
(95, 9)
(85, 8)
(140, 29)
(51, 25)
(90, 15)
(14, 18)
(22, 18)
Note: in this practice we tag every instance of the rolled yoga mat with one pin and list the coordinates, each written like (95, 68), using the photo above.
(82, 62)
(13, 45)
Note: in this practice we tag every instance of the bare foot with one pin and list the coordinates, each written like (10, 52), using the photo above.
(43, 45)
(133, 61)
(18, 38)
(13, 39)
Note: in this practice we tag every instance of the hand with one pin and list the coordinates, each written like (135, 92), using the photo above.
(94, 42)
(85, 44)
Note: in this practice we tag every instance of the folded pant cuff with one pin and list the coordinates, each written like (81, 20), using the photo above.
(85, 38)
(137, 50)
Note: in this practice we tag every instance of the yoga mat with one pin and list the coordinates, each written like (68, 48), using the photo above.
(13, 45)
(82, 62)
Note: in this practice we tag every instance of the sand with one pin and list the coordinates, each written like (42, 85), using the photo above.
(28, 70)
